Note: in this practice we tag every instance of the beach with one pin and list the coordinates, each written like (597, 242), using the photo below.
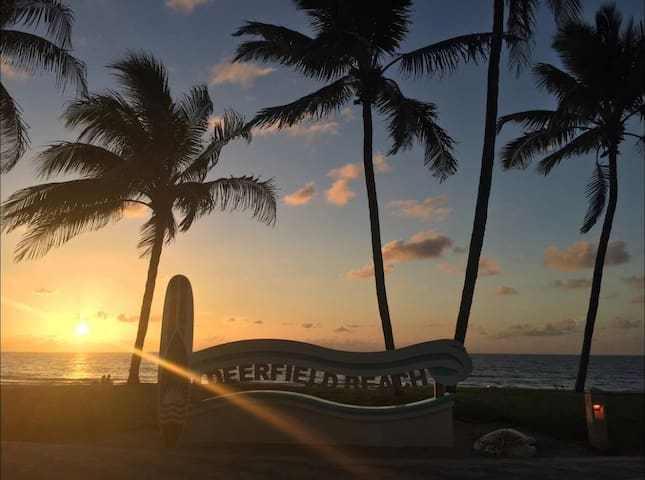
(107, 431)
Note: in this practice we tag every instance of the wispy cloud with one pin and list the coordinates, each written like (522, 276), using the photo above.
(635, 282)
(582, 255)
(8, 71)
(45, 291)
(342, 329)
(447, 268)
(349, 171)
(302, 196)
(135, 210)
(347, 114)
(309, 325)
(308, 130)
(502, 290)
(122, 317)
(185, 6)
(625, 323)
(103, 315)
(430, 244)
(488, 266)
(243, 74)
(339, 193)
(430, 208)
(637, 299)
(566, 326)
(571, 283)
(380, 164)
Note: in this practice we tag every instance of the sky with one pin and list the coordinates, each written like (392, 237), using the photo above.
(307, 277)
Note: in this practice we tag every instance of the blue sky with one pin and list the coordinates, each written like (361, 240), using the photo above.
(295, 280)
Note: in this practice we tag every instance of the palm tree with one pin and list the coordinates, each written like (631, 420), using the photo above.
(520, 25)
(351, 43)
(28, 52)
(600, 90)
(135, 147)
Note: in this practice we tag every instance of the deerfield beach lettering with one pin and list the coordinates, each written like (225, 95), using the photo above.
(312, 377)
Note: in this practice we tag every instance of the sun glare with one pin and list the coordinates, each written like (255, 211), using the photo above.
(82, 330)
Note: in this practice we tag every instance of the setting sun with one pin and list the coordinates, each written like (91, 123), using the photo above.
(82, 330)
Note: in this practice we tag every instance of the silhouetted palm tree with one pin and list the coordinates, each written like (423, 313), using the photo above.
(135, 147)
(520, 24)
(600, 90)
(351, 43)
(28, 52)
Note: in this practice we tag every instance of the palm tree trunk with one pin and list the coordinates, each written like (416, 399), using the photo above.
(375, 227)
(485, 176)
(144, 316)
(597, 271)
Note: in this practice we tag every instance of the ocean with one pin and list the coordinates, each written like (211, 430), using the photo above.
(611, 373)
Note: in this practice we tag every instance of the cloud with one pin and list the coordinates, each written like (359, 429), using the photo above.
(451, 269)
(7, 70)
(347, 114)
(342, 329)
(478, 329)
(501, 290)
(122, 317)
(301, 196)
(380, 165)
(548, 329)
(637, 299)
(102, 315)
(45, 291)
(422, 245)
(571, 283)
(258, 322)
(430, 208)
(185, 6)
(339, 193)
(488, 266)
(243, 74)
(581, 255)
(624, 323)
(135, 210)
(460, 249)
(349, 171)
(635, 282)
(308, 129)
(366, 271)
(308, 325)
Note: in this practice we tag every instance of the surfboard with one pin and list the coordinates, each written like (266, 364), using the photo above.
(175, 350)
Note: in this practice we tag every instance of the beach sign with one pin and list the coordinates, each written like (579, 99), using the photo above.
(175, 351)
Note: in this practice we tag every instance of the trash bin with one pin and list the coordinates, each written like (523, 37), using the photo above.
(596, 411)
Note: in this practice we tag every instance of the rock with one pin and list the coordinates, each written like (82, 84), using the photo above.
(506, 442)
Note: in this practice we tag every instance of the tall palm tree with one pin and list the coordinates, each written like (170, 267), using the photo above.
(600, 90)
(351, 43)
(28, 52)
(135, 147)
(520, 24)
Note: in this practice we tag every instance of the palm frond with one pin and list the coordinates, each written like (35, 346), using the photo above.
(57, 16)
(278, 44)
(314, 105)
(108, 120)
(518, 153)
(531, 119)
(145, 82)
(29, 52)
(445, 56)
(565, 10)
(410, 119)
(241, 193)
(54, 230)
(230, 127)
(596, 193)
(13, 131)
(586, 142)
(30, 205)
(160, 223)
(194, 110)
(75, 157)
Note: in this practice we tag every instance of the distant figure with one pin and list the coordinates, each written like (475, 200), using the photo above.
(108, 379)
(102, 379)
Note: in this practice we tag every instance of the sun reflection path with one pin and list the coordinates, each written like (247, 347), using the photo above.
(296, 430)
